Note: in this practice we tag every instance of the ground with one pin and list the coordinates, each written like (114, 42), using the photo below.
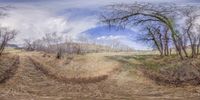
(123, 80)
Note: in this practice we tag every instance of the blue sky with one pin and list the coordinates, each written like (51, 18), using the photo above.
(71, 18)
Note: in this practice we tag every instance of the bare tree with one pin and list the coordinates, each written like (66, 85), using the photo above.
(53, 43)
(198, 37)
(124, 15)
(157, 36)
(191, 15)
(39, 45)
(29, 45)
(6, 36)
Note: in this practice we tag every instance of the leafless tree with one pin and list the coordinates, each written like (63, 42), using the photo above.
(157, 36)
(53, 43)
(39, 45)
(29, 45)
(124, 15)
(6, 36)
(189, 28)
(198, 37)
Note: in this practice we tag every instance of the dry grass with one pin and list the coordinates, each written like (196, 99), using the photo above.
(176, 72)
(163, 70)
(8, 67)
(125, 84)
(79, 69)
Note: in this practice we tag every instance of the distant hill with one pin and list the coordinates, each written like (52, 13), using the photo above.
(12, 46)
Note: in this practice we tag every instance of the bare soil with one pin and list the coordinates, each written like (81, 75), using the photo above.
(31, 83)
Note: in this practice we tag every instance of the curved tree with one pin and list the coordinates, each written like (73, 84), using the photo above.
(143, 13)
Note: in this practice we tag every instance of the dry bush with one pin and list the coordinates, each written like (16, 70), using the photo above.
(164, 70)
(180, 73)
(8, 67)
(46, 55)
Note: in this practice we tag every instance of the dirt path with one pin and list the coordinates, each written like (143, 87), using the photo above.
(30, 83)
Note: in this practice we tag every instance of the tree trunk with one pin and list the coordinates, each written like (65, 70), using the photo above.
(155, 42)
(166, 43)
(183, 47)
(174, 36)
(175, 41)
(161, 44)
(198, 46)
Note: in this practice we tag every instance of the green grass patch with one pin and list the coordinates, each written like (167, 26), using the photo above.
(151, 62)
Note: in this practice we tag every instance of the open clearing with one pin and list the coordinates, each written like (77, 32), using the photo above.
(122, 80)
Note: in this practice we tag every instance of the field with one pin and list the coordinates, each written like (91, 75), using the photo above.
(93, 76)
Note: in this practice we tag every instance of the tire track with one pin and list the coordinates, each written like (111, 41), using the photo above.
(78, 80)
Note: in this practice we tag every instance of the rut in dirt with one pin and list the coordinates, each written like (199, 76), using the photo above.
(77, 80)
(30, 82)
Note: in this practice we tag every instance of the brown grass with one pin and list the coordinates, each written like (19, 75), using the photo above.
(173, 71)
(163, 70)
(127, 84)
(87, 69)
(8, 68)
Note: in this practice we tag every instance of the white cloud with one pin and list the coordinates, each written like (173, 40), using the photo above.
(34, 19)
(123, 40)
(78, 26)
(98, 3)
(33, 23)
(111, 37)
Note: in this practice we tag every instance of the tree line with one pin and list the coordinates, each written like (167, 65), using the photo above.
(164, 26)
(59, 45)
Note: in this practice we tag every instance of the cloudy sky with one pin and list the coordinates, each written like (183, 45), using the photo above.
(71, 18)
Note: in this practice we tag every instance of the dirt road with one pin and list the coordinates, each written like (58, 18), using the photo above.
(29, 83)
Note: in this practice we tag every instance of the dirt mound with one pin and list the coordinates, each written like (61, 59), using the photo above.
(186, 73)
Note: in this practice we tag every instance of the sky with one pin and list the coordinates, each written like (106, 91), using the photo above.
(73, 19)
